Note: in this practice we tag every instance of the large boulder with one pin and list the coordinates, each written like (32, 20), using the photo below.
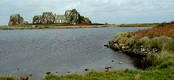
(72, 16)
(48, 18)
(45, 18)
(16, 19)
(37, 19)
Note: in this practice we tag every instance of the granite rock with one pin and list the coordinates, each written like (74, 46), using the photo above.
(72, 16)
(16, 19)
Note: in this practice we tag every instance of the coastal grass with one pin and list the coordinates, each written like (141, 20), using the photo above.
(161, 38)
(139, 25)
(8, 77)
(156, 74)
(164, 44)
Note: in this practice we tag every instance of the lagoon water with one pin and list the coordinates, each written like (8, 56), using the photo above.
(59, 51)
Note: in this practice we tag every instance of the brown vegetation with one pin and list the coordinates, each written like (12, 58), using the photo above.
(161, 30)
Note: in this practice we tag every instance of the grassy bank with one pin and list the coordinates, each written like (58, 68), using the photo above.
(164, 74)
(147, 51)
(150, 47)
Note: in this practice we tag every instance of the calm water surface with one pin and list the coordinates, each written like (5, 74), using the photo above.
(59, 51)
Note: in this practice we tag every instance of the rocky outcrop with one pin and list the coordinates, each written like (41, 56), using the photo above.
(133, 49)
(72, 16)
(25, 77)
(16, 19)
(129, 44)
(48, 18)
(37, 19)
(45, 18)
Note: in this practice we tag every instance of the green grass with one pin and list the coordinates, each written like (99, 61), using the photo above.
(163, 74)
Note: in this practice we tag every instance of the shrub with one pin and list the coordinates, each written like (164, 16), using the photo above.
(147, 61)
(8, 77)
(130, 41)
(121, 36)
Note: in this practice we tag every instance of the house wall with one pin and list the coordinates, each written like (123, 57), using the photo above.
(60, 19)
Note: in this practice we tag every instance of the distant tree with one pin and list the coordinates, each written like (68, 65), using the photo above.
(82, 18)
(106, 23)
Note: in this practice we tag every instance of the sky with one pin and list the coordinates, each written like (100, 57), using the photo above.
(99, 11)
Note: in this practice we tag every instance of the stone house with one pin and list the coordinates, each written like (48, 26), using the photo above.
(60, 19)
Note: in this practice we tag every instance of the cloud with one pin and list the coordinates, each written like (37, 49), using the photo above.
(111, 11)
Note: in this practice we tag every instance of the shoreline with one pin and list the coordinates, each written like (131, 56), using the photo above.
(69, 26)
(32, 27)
